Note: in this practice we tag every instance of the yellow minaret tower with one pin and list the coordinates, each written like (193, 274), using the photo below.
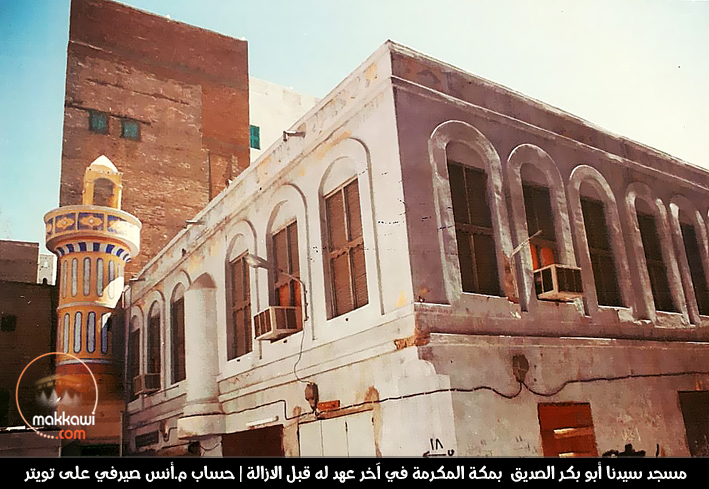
(93, 241)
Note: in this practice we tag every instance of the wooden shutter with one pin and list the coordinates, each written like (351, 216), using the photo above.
(346, 250)
(241, 309)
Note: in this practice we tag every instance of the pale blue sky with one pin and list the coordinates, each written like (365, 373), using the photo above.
(638, 68)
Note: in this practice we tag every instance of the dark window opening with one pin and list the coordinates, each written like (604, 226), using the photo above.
(260, 442)
(473, 230)
(177, 315)
(655, 264)
(130, 129)
(133, 359)
(567, 430)
(348, 272)
(98, 122)
(8, 323)
(599, 246)
(696, 268)
(254, 137)
(154, 340)
(537, 207)
(241, 308)
(695, 411)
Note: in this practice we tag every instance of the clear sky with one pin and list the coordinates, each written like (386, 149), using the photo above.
(637, 68)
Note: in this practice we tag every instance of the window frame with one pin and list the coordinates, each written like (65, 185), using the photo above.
(657, 269)
(95, 119)
(242, 306)
(601, 253)
(482, 228)
(547, 240)
(280, 280)
(177, 334)
(352, 244)
(126, 123)
(153, 339)
(254, 137)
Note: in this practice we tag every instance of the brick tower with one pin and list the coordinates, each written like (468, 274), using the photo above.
(167, 102)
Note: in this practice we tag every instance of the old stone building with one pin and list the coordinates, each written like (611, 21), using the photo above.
(430, 263)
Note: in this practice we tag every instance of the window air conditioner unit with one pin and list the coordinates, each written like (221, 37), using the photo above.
(146, 383)
(558, 282)
(276, 322)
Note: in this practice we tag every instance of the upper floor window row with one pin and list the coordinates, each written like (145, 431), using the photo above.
(99, 122)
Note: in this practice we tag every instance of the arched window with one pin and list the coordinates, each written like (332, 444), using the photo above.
(103, 192)
(87, 276)
(177, 332)
(111, 278)
(99, 277)
(134, 355)
(77, 332)
(153, 338)
(65, 277)
(74, 276)
(105, 329)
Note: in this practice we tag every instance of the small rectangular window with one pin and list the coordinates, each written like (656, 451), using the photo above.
(130, 129)
(8, 323)
(98, 122)
(254, 137)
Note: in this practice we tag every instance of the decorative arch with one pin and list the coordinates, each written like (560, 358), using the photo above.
(681, 203)
(645, 300)
(347, 163)
(545, 165)
(589, 175)
(464, 133)
(289, 207)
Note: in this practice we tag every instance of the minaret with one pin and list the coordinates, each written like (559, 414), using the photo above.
(93, 241)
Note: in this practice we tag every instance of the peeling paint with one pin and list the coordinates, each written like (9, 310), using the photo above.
(401, 301)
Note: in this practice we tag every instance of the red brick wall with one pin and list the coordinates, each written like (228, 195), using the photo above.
(188, 89)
